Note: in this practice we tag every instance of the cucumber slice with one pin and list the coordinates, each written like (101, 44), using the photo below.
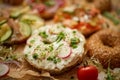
(5, 32)
(2, 22)
(18, 12)
(34, 21)
(70, 9)
(25, 29)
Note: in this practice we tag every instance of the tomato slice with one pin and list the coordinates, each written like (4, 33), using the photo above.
(88, 28)
(67, 16)
(79, 25)
(94, 12)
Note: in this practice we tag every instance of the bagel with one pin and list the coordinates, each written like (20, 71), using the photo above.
(105, 46)
(52, 49)
(103, 5)
(47, 8)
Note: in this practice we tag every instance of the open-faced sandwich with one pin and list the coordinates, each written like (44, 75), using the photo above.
(86, 19)
(46, 8)
(17, 24)
(54, 48)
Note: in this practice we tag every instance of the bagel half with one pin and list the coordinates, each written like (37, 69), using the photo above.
(105, 46)
(64, 53)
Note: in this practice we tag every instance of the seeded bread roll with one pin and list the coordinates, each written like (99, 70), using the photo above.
(105, 46)
(103, 5)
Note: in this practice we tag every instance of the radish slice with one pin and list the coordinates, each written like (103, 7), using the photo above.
(65, 51)
(4, 69)
(39, 7)
(60, 2)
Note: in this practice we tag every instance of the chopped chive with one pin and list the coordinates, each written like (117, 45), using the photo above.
(35, 55)
(60, 36)
(74, 32)
(54, 59)
(74, 42)
(51, 48)
(30, 46)
(2, 22)
(50, 59)
(26, 55)
(32, 41)
(49, 3)
(28, 21)
(109, 76)
(43, 34)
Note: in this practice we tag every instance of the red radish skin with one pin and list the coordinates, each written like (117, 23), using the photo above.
(39, 7)
(65, 55)
(60, 2)
(4, 70)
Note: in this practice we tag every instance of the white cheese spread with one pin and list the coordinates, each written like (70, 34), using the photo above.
(54, 46)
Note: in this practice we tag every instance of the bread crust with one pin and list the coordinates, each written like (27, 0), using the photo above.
(76, 60)
(105, 46)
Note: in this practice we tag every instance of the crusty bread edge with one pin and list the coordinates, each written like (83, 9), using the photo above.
(76, 60)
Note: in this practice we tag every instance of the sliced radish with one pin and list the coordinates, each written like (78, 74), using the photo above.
(65, 51)
(4, 69)
(60, 2)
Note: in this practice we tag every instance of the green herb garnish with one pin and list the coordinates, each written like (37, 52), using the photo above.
(32, 41)
(60, 36)
(50, 58)
(46, 42)
(109, 76)
(54, 59)
(26, 55)
(43, 34)
(30, 46)
(14, 57)
(73, 46)
(49, 3)
(74, 42)
(112, 18)
(2, 22)
(43, 55)
(28, 21)
(35, 55)
(7, 53)
(51, 48)
(74, 32)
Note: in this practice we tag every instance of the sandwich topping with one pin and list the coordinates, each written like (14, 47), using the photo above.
(54, 47)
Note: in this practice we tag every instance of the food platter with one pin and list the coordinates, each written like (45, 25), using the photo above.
(59, 40)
